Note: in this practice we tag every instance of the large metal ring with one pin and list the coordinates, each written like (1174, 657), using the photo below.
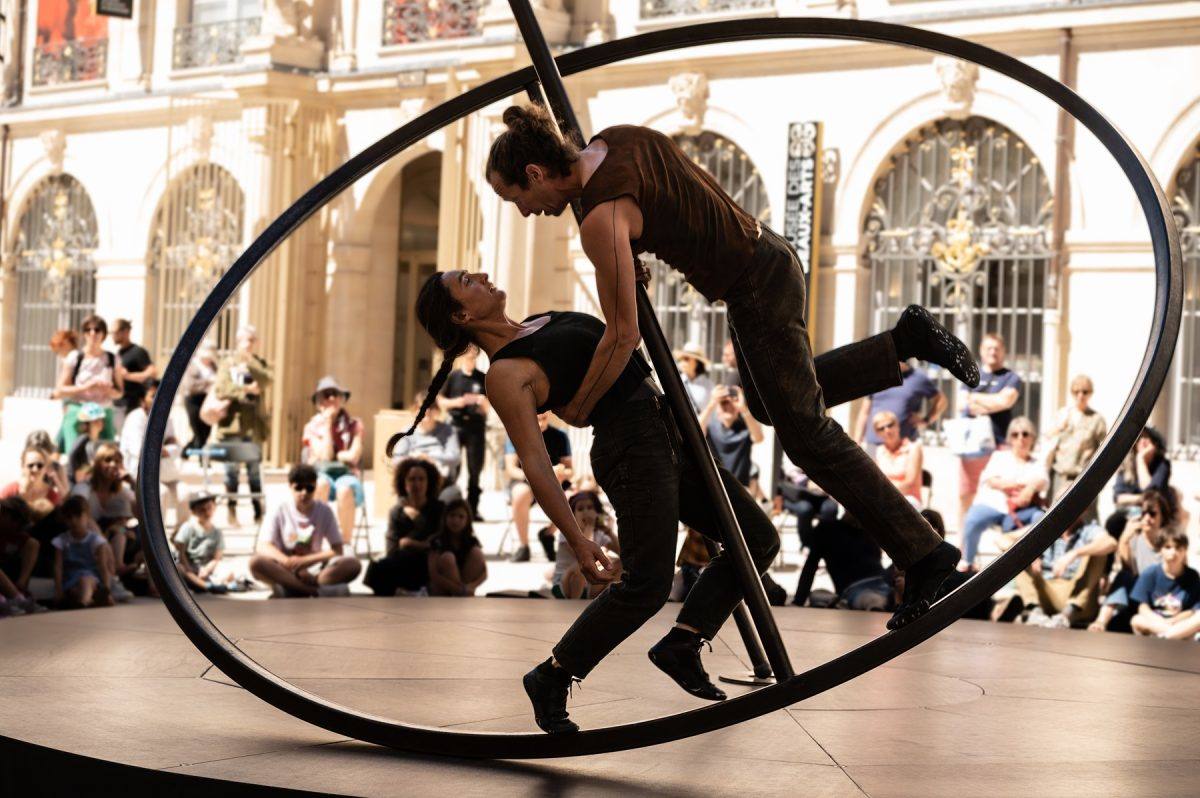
(314, 709)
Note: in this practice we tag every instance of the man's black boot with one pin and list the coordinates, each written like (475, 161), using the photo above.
(548, 688)
(918, 334)
(678, 656)
(926, 581)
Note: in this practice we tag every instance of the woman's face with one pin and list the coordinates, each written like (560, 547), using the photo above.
(1151, 517)
(687, 365)
(110, 466)
(416, 483)
(888, 430)
(1021, 441)
(474, 293)
(456, 520)
(93, 336)
(34, 465)
(585, 512)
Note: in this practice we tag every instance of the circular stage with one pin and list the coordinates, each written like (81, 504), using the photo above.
(982, 709)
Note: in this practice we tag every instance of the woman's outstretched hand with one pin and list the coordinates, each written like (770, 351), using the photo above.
(593, 562)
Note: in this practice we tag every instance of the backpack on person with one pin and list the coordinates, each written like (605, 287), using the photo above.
(109, 356)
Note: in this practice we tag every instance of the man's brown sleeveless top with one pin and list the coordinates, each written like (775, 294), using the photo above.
(687, 220)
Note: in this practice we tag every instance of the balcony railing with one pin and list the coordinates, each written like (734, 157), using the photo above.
(654, 9)
(409, 21)
(213, 43)
(69, 62)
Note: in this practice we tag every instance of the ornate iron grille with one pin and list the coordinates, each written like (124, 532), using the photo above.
(960, 223)
(197, 233)
(1185, 387)
(652, 9)
(56, 277)
(408, 21)
(69, 61)
(212, 43)
(684, 314)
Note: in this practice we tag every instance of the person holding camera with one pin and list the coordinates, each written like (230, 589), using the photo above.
(732, 430)
(333, 445)
(241, 380)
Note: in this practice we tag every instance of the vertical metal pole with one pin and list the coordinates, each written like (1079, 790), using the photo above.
(668, 375)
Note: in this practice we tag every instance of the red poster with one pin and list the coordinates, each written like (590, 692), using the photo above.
(69, 20)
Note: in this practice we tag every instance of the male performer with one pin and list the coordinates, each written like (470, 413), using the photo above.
(640, 193)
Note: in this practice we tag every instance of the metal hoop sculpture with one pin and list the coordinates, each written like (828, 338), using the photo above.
(306, 706)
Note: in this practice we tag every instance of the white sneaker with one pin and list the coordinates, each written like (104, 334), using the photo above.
(119, 591)
(333, 590)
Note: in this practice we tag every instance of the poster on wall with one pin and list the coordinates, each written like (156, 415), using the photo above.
(60, 21)
(802, 199)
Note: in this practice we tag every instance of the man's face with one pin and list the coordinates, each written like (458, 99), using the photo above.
(121, 336)
(538, 198)
(728, 356)
(992, 354)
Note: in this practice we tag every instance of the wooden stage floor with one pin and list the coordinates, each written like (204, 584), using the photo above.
(980, 710)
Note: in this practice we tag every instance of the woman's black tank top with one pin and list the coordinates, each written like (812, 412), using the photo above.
(564, 347)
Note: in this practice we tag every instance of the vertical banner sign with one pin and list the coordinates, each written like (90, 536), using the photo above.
(802, 200)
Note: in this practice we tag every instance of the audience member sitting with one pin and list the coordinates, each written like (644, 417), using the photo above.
(1062, 589)
(414, 519)
(519, 493)
(18, 555)
(1075, 437)
(333, 445)
(200, 547)
(899, 458)
(90, 426)
(90, 374)
(568, 581)
(133, 435)
(40, 439)
(436, 441)
(731, 430)
(854, 562)
(693, 370)
(298, 530)
(980, 612)
(1009, 493)
(1137, 550)
(37, 485)
(804, 499)
(112, 506)
(198, 380)
(83, 561)
(904, 401)
(1145, 467)
(1168, 592)
(456, 564)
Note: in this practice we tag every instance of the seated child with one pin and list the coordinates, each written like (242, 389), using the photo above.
(200, 547)
(456, 564)
(83, 560)
(569, 581)
(1167, 593)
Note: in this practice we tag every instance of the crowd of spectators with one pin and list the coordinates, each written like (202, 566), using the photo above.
(71, 516)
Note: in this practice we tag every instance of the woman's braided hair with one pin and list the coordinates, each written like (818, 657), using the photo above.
(435, 306)
(531, 137)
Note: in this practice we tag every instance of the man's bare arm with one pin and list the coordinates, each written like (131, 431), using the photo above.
(605, 235)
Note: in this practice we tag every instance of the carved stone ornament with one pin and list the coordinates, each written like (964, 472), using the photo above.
(201, 126)
(55, 143)
(958, 79)
(691, 96)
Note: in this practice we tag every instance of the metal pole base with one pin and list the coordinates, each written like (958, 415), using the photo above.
(749, 678)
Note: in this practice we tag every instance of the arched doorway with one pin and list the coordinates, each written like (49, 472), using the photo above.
(416, 259)
(684, 314)
(1185, 379)
(960, 223)
(197, 232)
(56, 277)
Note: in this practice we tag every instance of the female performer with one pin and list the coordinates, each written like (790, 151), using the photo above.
(637, 458)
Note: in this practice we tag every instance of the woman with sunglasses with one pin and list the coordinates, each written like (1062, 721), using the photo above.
(1076, 436)
(37, 485)
(1010, 490)
(89, 374)
(900, 459)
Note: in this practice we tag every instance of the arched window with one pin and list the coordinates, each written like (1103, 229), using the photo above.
(56, 276)
(196, 234)
(960, 223)
(1185, 381)
(684, 314)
